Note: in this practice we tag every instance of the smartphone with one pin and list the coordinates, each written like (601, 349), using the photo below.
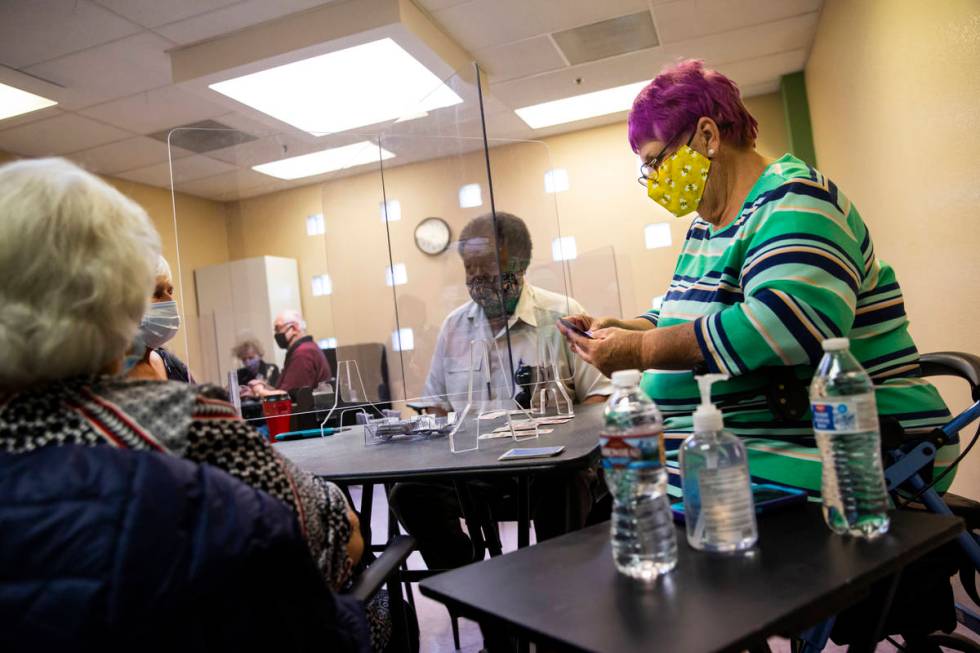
(574, 329)
(768, 497)
(531, 452)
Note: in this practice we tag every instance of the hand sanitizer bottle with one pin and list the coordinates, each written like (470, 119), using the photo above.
(718, 506)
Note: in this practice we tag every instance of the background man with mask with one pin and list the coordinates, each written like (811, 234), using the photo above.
(430, 511)
(305, 365)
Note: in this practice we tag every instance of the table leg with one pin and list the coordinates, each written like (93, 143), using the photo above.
(523, 511)
(367, 507)
(871, 643)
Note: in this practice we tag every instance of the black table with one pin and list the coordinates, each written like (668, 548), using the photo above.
(344, 458)
(566, 592)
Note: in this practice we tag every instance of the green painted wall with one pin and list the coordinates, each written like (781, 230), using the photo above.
(799, 134)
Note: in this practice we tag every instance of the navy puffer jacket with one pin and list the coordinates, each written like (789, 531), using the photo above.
(105, 549)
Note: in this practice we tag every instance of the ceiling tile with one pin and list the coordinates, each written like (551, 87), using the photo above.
(33, 116)
(184, 169)
(59, 135)
(436, 5)
(254, 126)
(153, 13)
(577, 80)
(106, 72)
(228, 185)
(480, 24)
(749, 42)
(129, 154)
(228, 19)
(32, 31)
(764, 69)
(684, 19)
(264, 150)
(520, 59)
(156, 109)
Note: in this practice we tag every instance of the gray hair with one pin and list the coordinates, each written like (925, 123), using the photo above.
(245, 346)
(511, 234)
(291, 315)
(77, 261)
(163, 268)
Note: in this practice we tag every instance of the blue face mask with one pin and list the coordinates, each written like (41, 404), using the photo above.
(253, 363)
(133, 355)
(160, 324)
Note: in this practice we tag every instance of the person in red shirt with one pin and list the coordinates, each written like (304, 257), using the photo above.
(305, 366)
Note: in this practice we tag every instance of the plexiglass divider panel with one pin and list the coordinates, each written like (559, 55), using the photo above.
(334, 228)
(265, 268)
(452, 304)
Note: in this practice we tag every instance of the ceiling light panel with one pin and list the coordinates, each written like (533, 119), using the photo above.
(318, 163)
(580, 107)
(363, 85)
(15, 102)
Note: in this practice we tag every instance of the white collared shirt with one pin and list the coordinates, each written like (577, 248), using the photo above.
(534, 339)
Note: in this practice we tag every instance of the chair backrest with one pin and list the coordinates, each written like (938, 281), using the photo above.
(954, 363)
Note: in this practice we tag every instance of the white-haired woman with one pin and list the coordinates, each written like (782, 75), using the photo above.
(159, 326)
(77, 262)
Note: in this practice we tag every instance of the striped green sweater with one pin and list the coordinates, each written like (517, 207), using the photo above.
(797, 267)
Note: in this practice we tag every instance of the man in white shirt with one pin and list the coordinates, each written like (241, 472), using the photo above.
(496, 252)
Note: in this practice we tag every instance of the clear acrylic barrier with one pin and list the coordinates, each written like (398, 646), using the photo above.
(370, 253)
(343, 248)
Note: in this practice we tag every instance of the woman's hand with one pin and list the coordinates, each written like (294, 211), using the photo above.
(355, 546)
(589, 323)
(609, 349)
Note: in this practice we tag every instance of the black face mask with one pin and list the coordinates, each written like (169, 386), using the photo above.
(282, 341)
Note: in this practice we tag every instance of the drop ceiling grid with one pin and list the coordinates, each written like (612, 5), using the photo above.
(752, 40)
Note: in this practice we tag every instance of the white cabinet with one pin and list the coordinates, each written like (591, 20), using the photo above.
(240, 299)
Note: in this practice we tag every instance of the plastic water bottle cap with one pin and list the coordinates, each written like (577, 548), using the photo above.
(836, 344)
(626, 378)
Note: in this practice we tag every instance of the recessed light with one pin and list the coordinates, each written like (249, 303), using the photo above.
(580, 107)
(315, 226)
(318, 163)
(470, 196)
(657, 235)
(556, 180)
(403, 340)
(14, 102)
(322, 285)
(364, 85)
(564, 248)
(391, 211)
(396, 275)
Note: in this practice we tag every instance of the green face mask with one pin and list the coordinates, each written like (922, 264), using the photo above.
(679, 181)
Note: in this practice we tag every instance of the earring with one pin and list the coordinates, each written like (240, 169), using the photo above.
(711, 152)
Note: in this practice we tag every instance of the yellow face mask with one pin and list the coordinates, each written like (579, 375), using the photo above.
(679, 181)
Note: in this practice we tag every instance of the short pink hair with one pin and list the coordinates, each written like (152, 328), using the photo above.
(681, 94)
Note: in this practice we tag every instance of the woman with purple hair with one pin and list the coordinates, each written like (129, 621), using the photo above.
(776, 260)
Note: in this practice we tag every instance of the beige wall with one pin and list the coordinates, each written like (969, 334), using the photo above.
(604, 207)
(894, 91)
(203, 241)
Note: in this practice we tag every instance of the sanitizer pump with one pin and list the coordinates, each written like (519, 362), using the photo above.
(718, 506)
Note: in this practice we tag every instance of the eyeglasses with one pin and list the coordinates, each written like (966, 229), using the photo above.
(284, 328)
(649, 167)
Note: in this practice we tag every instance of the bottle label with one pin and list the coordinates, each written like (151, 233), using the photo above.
(633, 450)
(727, 507)
(857, 414)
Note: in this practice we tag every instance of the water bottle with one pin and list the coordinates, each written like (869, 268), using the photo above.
(718, 506)
(644, 544)
(845, 420)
